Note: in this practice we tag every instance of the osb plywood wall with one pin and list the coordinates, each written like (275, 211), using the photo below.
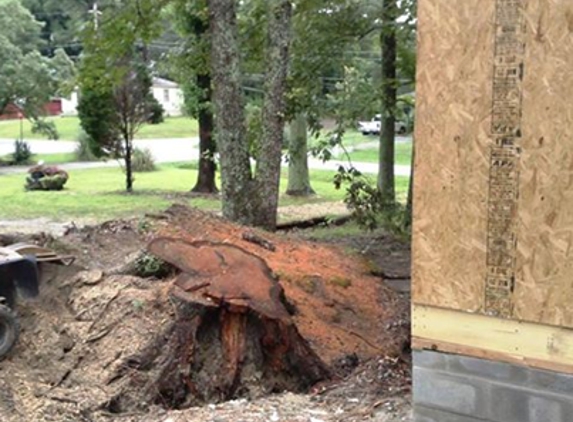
(493, 230)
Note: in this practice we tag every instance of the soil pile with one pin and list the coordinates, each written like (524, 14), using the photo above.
(99, 342)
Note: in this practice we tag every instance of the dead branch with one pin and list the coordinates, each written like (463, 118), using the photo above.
(258, 240)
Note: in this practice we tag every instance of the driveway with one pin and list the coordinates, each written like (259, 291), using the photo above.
(369, 168)
(164, 151)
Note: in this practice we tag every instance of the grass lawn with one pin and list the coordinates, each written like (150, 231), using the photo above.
(98, 194)
(402, 154)
(60, 158)
(64, 157)
(69, 127)
(351, 138)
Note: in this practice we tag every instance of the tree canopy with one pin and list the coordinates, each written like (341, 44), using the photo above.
(28, 79)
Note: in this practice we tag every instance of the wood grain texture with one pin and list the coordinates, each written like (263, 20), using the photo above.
(454, 139)
(452, 111)
(523, 343)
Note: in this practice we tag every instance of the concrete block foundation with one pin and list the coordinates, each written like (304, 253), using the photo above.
(453, 388)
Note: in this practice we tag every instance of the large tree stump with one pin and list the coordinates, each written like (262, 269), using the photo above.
(232, 334)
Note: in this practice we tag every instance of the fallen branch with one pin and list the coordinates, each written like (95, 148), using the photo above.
(313, 222)
(386, 276)
(258, 240)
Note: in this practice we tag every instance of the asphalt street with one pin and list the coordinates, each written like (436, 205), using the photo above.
(168, 151)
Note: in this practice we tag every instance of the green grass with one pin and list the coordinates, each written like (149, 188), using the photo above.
(95, 194)
(64, 157)
(402, 154)
(69, 127)
(351, 138)
(58, 158)
(98, 194)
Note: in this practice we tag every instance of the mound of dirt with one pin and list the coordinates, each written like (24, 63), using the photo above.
(98, 344)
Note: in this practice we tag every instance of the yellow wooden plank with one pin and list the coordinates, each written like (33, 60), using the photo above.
(531, 344)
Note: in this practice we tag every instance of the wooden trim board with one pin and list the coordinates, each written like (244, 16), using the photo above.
(524, 343)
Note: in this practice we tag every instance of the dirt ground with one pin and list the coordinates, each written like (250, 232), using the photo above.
(92, 319)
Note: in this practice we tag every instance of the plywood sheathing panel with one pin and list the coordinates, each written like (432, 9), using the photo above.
(454, 138)
(453, 111)
(544, 290)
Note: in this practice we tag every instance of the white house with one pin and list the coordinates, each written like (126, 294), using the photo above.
(169, 95)
(69, 105)
(166, 92)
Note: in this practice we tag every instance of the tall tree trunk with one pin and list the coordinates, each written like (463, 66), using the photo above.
(240, 199)
(207, 148)
(269, 162)
(128, 165)
(199, 27)
(389, 94)
(298, 175)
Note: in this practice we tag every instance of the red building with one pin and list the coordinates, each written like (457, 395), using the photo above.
(53, 108)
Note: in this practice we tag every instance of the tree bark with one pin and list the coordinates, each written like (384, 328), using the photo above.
(239, 196)
(298, 174)
(128, 162)
(128, 170)
(207, 168)
(389, 94)
(233, 334)
(269, 162)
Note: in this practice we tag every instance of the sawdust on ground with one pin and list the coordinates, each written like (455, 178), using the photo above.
(87, 323)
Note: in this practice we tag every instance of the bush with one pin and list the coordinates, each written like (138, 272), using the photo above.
(142, 160)
(48, 129)
(46, 178)
(22, 152)
(83, 151)
(148, 265)
(156, 111)
(98, 118)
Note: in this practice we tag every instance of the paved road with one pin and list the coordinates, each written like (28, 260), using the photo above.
(369, 168)
(164, 151)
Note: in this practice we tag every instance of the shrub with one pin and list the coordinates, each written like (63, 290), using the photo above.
(45, 128)
(83, 151)
(142, 160)
(98, 118)
(46, 178)
(148, 265)
(156, 111)
(22, 152)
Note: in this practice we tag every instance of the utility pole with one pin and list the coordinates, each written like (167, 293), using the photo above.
(96, 14)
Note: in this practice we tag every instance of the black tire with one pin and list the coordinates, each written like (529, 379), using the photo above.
(9, 330)
(401, 130)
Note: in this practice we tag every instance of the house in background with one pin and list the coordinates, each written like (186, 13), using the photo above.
(13, 112)
(169, 95)
(70, 104)
(166, 92)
